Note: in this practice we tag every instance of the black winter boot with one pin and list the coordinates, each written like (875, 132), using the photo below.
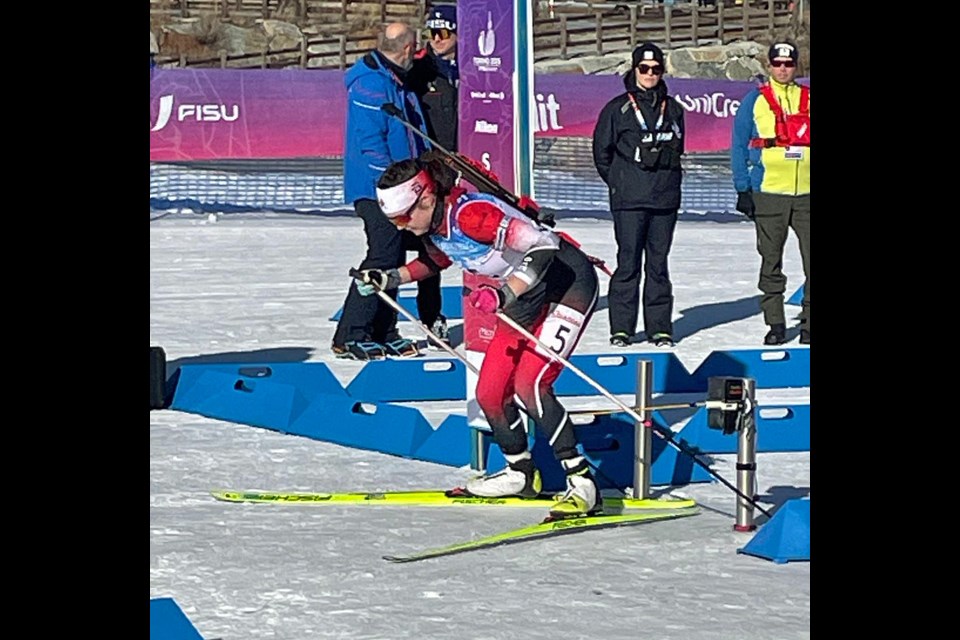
(776, 335)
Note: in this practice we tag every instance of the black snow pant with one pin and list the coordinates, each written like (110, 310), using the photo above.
(429, 300)
(367, 318)
(644, 238)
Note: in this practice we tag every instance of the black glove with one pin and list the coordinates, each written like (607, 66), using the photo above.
(373, 279)
(745, 204)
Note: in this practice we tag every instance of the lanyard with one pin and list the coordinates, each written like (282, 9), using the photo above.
(643, 123)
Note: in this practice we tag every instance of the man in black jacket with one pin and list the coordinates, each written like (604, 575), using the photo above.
(637, 145)
(436, 80)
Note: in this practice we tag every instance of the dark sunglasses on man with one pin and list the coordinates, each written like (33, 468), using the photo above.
(443, 33)
(655, 69)
(789, 64)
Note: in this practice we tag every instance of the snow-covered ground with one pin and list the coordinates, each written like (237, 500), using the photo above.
(261, 287)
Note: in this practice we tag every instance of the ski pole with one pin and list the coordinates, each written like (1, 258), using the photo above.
(659, 407)
(663, 433)
(409, 316)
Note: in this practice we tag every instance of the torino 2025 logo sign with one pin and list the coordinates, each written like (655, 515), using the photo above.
(210, 112)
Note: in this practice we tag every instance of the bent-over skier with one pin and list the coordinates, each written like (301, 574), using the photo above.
(548, 286)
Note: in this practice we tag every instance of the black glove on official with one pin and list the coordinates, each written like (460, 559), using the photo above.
(745, 204)
(373, 279)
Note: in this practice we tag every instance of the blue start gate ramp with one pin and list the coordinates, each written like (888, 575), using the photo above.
(168, 622)
(797, 297)
(786, 536)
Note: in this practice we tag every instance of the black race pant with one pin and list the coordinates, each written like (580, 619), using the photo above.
(429, 301)
(644, 238)
(368, 317)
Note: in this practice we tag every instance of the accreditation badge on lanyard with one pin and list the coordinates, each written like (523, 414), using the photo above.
(793, 153)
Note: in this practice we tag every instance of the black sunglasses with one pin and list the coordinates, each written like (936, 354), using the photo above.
(443, 33)
(789, 64)
(646, 68)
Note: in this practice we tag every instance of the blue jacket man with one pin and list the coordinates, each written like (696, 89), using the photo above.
(372, 141)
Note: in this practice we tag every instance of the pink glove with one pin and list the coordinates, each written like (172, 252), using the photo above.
(486, 299)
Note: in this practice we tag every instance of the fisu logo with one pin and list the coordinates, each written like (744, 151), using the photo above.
(166, 108)
(197, 112)
(488, 38)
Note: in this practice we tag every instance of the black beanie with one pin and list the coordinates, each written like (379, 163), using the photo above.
(783, 49)
(646, 52)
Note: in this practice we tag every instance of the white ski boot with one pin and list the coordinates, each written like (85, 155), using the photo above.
(520, 478)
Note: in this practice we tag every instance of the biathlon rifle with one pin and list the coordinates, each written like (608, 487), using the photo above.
(480, 177)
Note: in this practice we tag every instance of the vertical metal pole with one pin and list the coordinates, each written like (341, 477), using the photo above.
(478, 457)
(643, 435)
(747, 459)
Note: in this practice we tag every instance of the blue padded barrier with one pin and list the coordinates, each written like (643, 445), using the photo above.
(288, 399)
(779, 428)
(386, 428)
(450, 444)
(269, 395)
(451, 303)
(410, 380)
(786, 536)
(797, 297)
(608, 444)
(617, 373)
(770, 368)
(168, 622)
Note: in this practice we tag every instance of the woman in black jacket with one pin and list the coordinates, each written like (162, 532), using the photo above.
(637, 145)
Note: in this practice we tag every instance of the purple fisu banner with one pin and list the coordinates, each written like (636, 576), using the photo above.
(208, 114)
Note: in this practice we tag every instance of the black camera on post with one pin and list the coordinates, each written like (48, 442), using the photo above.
(728, 403)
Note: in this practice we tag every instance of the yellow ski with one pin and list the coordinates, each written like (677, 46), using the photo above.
(438, 499)
(545, 529)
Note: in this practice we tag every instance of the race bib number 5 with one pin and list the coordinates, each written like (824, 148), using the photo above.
(561, 330)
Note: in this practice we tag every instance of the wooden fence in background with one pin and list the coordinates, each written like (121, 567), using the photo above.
(303, 11)
(596, 30)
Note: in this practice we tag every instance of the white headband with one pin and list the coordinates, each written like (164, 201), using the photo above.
(399, 199)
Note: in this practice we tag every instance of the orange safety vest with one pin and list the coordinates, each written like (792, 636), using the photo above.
(790, 129)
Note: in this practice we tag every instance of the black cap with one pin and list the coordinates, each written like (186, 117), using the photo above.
(784, 49)
(443, 16)
(647, 52)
